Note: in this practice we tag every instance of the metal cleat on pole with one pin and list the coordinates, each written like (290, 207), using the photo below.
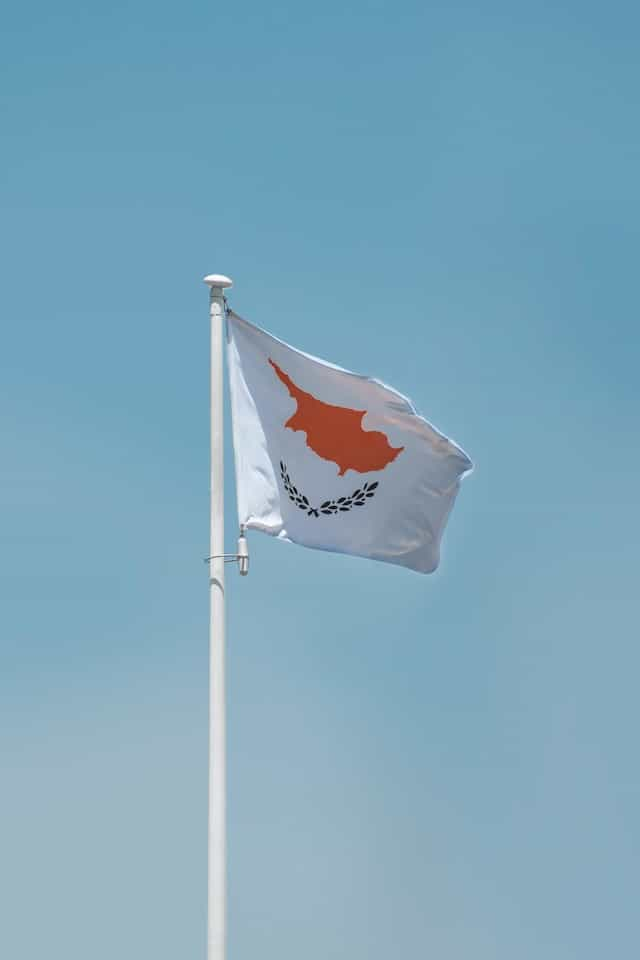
(241, 557)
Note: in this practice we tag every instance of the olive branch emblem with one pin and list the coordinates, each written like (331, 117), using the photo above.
(358, 498)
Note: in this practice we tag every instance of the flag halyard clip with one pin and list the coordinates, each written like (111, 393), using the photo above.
(241, 557)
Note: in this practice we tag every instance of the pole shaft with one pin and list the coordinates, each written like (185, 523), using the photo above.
(217, 893)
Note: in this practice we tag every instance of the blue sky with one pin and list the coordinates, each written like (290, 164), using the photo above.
(440, 195)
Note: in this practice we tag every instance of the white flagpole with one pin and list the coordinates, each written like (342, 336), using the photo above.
(217, 893)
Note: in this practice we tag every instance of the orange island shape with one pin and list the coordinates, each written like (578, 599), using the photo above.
(336, 433)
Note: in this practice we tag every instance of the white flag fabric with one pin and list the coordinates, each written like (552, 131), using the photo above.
(333, 460)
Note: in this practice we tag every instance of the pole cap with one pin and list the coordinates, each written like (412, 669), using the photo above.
(218, 280)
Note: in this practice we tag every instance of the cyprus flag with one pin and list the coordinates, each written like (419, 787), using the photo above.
(334, 460)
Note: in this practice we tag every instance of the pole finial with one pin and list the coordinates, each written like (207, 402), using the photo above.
(217, 280)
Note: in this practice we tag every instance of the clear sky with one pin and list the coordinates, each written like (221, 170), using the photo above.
(443, 195)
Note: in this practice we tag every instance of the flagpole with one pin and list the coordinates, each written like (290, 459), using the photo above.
(217, 854)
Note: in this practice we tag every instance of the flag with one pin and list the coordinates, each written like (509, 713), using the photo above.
(334, 460)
